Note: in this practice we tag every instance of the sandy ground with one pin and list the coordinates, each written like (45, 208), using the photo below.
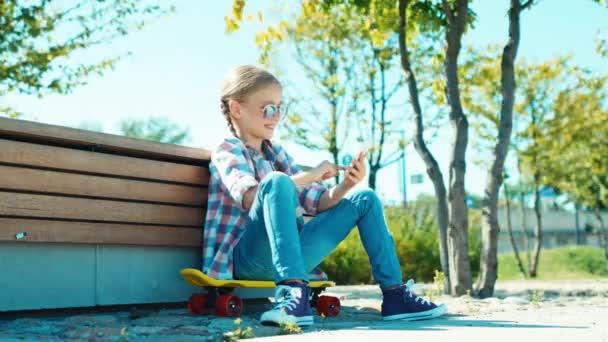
(538, 311)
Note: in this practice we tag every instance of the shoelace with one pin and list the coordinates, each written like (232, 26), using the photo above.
(410, 286)
(284, 298)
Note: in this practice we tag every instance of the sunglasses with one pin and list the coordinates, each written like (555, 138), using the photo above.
(271, 110)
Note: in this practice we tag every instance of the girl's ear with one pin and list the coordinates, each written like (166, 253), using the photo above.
(235, 108)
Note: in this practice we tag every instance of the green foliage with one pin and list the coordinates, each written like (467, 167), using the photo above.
(325, 46)
(557, 106)
(415, 235)
(575, 142)
(10, 113)
(39, 39)
(158, 129)
(416, 239)
(601, 43)
(564, 263)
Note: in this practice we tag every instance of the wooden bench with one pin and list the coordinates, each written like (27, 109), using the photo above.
(91, 219)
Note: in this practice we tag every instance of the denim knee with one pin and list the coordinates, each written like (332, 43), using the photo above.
(277, 181)
(365, 200)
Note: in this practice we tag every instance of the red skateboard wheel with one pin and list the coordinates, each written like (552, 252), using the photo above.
(328, 306)
(197, 304)
(228, 306)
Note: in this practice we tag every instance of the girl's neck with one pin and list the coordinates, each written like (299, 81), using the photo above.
(255, 143)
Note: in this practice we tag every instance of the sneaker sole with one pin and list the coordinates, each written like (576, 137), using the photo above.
(300, 321)
(416, 316)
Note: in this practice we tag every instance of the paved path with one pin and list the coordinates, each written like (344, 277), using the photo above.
(528, 311)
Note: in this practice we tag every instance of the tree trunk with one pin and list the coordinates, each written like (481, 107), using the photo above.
(538, 228)
(524, 228)
(524, 224)
(458, 241)
(520, 264)
(373, 173)
(489, 223)
(432, 167)
(604, 231)
(334, 153)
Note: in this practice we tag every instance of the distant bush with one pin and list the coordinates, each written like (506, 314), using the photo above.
(416, 239)
(564, 263)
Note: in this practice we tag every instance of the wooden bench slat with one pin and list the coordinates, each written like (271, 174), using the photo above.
(34, 180)
(57, 207)
(71, 137)
(20, 153)
(97, 233)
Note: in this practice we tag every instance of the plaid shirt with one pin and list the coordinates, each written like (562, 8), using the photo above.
(234, 169)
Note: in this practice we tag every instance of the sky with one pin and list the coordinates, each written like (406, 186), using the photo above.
(177, 63)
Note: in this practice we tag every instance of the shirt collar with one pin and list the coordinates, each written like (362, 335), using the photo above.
(267, 148)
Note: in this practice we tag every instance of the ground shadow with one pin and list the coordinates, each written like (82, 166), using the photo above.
(368, 318)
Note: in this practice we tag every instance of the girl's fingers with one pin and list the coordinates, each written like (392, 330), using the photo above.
(351, 178)
(354, 179)
(358, 166)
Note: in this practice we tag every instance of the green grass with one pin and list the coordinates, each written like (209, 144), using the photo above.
(564, 263)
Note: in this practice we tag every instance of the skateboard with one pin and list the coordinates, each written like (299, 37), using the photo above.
(218, 295)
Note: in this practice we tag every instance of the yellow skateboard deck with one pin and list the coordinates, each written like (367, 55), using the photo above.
(227, 305)
(197, 278)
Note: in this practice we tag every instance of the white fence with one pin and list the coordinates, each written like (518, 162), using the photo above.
(558, 228)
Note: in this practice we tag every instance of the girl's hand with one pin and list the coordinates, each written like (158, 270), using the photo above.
(356, 172)
(325, 170)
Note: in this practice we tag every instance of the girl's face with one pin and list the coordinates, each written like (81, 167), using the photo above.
(249, 114)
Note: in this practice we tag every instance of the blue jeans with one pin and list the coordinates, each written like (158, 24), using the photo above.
(272, 248)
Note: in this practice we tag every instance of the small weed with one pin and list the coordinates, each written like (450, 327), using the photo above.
(537, 298)
(468, 300)
(437, 288)
(124, 335)
(290, 329)
(239, 333)
(323, 319)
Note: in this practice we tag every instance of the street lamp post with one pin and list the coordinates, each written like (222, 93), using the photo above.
(403, 175)
(403, 172)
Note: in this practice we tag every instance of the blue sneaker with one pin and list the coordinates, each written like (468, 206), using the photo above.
(292, 305)
(401, 303)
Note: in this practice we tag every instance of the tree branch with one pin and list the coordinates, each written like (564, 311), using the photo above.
(526, 4)
(448, 11)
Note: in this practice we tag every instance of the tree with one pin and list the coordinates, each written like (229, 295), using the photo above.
(538, 86)
(38, 41)
(10, 113)
(324, 43)
(602, 46)
(575, 154)
(494, 178)
(452, 209)
(450, 18)
(158, 129)
(520, 264)
(350, 67)
(378, 69)
(601, 40)
(433, 169)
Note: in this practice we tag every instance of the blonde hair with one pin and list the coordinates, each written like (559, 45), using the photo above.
(240, 83)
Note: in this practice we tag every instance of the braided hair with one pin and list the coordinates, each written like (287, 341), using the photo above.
(239, 84)
(226, 112)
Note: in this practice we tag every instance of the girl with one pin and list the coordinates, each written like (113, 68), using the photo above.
(257, 194)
